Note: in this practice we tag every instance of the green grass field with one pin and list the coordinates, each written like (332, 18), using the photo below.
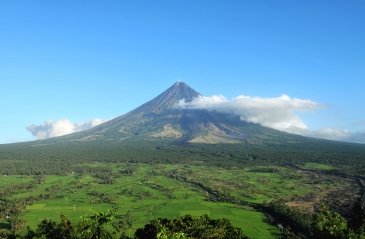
(164, 190)
(318, 166)
(12, 180)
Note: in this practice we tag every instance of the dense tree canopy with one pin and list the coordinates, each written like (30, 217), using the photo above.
(96, 225)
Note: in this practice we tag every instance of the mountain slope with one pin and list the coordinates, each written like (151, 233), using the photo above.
(160, 119)
(160, 132)
(168, 99)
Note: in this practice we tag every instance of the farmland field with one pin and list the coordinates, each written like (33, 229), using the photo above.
(144, 192)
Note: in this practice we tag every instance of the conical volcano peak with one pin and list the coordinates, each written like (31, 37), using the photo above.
(181, 90)
(169, 98)
(181, 84)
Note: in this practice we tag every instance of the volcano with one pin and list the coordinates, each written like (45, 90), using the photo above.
(161, 131)
(161, 119)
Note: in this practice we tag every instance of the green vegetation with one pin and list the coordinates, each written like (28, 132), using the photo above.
(142, 190)
(318, 166)
(188, 227)
(142, 182)
(96, 225)
(145, 191)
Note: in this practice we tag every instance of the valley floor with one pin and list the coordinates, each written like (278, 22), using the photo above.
(141, 192)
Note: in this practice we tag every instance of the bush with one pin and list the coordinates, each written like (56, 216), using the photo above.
(188, 227)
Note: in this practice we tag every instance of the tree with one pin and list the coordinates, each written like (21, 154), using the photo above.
(129, 222)
(94, 226)
(185, 227)
(164, 233)
(329, 224)
(51, 230)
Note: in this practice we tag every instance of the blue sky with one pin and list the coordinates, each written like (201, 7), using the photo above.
(81, 60)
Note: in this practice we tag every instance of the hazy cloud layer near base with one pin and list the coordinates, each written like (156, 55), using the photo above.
(277, 113)
(61, 127)
(336, 134)
(329, 133)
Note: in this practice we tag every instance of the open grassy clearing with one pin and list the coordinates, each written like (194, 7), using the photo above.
(6, 180)
(318, 166)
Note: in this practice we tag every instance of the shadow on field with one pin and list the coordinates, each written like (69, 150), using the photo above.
(4, 225)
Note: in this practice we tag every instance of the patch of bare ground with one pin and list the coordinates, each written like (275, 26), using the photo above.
(339, 193)
(344, 199)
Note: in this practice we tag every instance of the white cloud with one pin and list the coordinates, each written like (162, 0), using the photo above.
(49, 129)
(337, 134)
(330, 133)
(357, 137)
(277, 113)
